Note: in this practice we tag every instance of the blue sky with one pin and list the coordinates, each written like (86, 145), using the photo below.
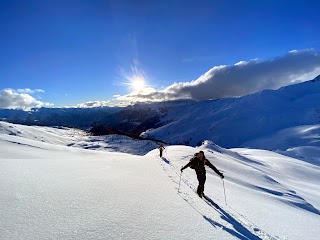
(80, 51)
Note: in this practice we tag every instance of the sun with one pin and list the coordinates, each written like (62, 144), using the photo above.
(136, 79)
(138, 83)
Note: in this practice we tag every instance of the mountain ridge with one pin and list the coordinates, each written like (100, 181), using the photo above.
(227, 121)
(223, 121)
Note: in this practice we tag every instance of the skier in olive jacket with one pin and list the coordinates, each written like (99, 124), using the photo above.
(198, 162)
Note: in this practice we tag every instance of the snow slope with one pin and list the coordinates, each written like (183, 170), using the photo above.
(235, 121)
(49, 190)
(77, 138)
(266, 192)
(57, 192)
(302, 142)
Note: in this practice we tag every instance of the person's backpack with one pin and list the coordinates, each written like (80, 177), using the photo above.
(191, 165)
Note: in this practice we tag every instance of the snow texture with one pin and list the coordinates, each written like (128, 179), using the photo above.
(302, 142)
(51, 189)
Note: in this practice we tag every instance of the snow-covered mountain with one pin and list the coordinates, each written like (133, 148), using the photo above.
(77, 138)
(302, 142)
(53, 188)
(68, 117)
(231, 122)
(131, 119)
(267, 120)
(236, 121)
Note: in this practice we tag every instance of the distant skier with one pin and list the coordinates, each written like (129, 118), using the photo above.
(198, 163)
(161, 148)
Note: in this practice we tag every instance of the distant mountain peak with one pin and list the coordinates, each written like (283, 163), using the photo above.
(316, 78)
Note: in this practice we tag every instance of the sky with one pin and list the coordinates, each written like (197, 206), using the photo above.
(90, 53)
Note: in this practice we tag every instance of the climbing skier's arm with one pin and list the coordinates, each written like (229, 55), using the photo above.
(209, 164)
(186, 166)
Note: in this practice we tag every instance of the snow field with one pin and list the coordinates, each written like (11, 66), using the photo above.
(50, 190)
(57, 192)
(261, 202)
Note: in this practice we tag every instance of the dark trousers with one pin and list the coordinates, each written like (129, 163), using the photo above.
(160, 153)
(201, 179)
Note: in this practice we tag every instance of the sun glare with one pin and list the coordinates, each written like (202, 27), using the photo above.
(138, 83)
(136, 79)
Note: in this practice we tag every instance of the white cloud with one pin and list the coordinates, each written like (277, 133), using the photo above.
(19, 99)
(138, 96)
(39, 90)
(92, 104)
(29, 91)
(241, 63)
(245, 77)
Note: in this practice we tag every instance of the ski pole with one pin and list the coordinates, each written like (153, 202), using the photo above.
(224, 190)
(179, 182)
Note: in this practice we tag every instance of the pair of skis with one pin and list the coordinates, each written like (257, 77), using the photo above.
(224, 190)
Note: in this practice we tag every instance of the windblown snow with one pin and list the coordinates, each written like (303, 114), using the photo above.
(58, 183)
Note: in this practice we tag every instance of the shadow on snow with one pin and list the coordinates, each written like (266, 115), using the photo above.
(166, 160)
(241, 231)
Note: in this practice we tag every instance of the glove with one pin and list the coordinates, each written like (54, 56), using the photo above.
(222, 177)
(182, 169)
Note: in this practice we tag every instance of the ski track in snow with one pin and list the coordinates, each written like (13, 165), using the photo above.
(233, 222)
(269, 194)
(248, 173)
